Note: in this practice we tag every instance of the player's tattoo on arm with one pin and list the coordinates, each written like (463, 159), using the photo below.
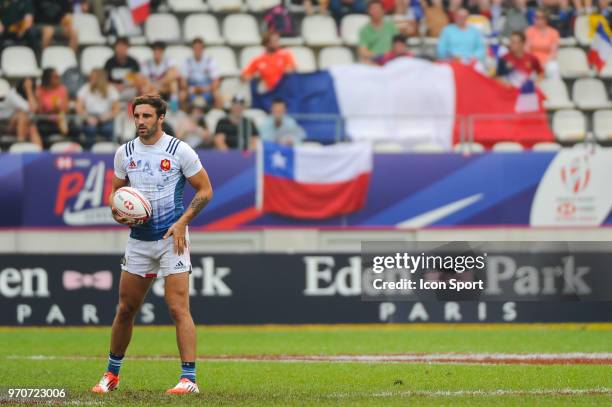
(198, 203)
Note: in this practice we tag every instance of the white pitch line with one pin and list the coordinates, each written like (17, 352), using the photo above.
(499, 392)
(575, 358)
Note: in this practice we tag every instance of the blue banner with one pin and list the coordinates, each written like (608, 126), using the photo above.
(569, 188)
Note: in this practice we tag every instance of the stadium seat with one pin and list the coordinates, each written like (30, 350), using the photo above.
(63, 147)
(291, 41)
(257, 115)
(606, 72)
(179, 53)
(467, 148)
(104, 147)
(140, 53)
(234, 86)
(258, 6)
(121, 19)
(248, 53)
(24, 147)
(58, 57)
(88, 29)
(204, 26)
(225, 5)
(567, 42)
(241, 30)
(213, 117)
(507, 146)
(331, 56)
(226, 60)
(556, 94)
(388, 147)
(311, 144)
(581, 30)
(350, 26)
(187, 6)
(320, 31)
(94, 56)
(602, 125)
(546, 146)
(590, 94)
(573, 63)
(426, 148)
(304, 58)
(162, 27)
(481, 23)
(19, 62)
(569, 125)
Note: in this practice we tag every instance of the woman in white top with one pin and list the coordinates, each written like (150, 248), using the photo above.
(98, 105)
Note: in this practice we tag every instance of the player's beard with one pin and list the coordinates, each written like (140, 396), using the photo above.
(149, 133)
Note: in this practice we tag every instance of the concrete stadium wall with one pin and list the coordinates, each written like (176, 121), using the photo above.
(279, 241)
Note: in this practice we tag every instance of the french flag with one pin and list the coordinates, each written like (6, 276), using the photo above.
(308, 182)
(140, 10)
(409, 101)
(528, 100)
(601, 48)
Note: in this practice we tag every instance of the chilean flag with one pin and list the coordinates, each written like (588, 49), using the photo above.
(601, 48)
(140, 10)
(410, 101)
(308, 182)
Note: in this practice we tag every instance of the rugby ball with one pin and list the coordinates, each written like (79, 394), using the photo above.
(132, 204)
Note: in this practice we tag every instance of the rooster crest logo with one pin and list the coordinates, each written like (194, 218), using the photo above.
(165, 165)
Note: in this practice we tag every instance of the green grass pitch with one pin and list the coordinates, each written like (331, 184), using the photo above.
(75, 358)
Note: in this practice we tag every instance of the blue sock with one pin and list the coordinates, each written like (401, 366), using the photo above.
(188, 371)
(114, 363)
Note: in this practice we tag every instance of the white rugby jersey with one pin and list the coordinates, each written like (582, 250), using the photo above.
(154, 71)
(158, 171)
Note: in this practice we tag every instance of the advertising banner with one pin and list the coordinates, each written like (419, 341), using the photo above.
(568, 188)
(292, 289)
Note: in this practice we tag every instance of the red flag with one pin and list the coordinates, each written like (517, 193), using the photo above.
(140, 10)
(492, 111)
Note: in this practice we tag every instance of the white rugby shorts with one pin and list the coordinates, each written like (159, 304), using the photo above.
(157, 258)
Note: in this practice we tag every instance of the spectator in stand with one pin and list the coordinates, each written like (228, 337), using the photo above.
(561, 18)
(98, 105)
(162, 75)
(235, 130)
(583, 6)
(436, 17)
(279, 127)
(55, 19)
(605, 10)
(462, 42)
(16, 22)
(53, 100)
(543, 42)
(375, 37)
(310, 4)
(340, 8)
(516, 18)
(191, 127)
(26, 88)
(15, 110)
(518, 66)
(399, 49)
(270, 66)
(124, 71)
(200, 78)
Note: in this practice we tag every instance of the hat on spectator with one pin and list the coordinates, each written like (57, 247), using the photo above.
(4, 88)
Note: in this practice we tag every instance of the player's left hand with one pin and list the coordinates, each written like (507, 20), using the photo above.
(178, 231)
